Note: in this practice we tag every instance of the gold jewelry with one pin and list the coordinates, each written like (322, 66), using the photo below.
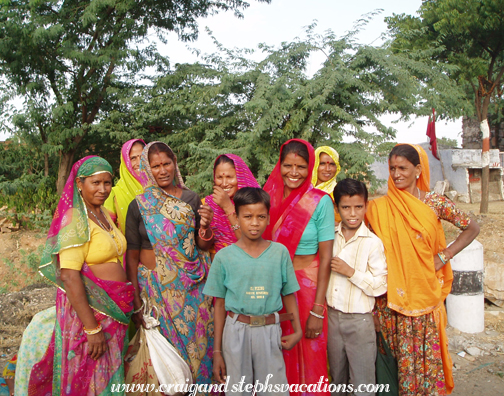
(110, 230)
(443, 257)
(96, 330)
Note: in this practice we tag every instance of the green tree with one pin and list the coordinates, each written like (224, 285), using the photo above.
(70, 60)
(229, 103)
(468, 35)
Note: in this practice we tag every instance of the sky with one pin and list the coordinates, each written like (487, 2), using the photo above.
(284, 20)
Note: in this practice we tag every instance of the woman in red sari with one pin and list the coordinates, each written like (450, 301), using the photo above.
(302, 219)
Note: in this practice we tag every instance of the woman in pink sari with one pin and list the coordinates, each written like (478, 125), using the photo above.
(230, 174)
(94, 300)
(302, 219)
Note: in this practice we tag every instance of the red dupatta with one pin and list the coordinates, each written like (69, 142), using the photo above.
(289, 216)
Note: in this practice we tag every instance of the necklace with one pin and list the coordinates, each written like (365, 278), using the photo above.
(418, 191)
(109, 228)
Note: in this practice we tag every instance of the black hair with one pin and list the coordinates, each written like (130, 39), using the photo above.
(223, 159)
(159, 147)
(138, 142)
(249, 196)
(406, 151)
(349, 187)
(296, 148)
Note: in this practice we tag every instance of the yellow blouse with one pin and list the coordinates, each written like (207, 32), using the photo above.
(103, 247)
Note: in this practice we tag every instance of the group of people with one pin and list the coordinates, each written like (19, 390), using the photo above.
(292, 284)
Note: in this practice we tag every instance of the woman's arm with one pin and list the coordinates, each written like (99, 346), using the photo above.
(207, 241)
(463, 240)
(76, 294)
(313, 324)
(132, 261)
(219, 366)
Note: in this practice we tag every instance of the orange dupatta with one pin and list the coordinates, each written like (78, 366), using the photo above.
(412, 234)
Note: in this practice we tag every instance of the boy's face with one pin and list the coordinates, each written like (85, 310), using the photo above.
(253, 220)
(352, 210)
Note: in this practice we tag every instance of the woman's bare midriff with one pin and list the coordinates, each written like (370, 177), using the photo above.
(301, 262)
(109, 271)
(148, 258)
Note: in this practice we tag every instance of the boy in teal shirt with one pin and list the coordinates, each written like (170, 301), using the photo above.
(249, 280)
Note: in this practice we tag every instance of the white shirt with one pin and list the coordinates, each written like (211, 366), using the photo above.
(364, 252)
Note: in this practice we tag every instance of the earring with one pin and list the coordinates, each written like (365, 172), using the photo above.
(417, 176)
(81, 190)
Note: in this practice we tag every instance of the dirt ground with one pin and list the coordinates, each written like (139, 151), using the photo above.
(23, 294)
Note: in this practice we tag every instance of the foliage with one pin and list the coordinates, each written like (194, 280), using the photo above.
(446, 142)
(70, 60)
(24, 272)
(229, 103)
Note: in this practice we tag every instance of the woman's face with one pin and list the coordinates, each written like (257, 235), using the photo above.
(225, 177)
(135, 153)
(95, 189)
(327, 169)
(163, 169)
(403, 173)
(294, 171)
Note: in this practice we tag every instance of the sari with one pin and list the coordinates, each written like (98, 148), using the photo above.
(66, 368)
(329, 185)
(126, 189)
(175, 287)
(221, 227)
(307, 361)
(412, 313)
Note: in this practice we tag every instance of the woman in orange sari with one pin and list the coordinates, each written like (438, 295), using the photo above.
(302, 219)
(412, 314)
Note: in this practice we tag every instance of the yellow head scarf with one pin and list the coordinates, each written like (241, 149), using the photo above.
(329, 185)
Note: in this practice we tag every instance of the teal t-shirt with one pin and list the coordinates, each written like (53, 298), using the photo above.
(252, 286)
(320, 228)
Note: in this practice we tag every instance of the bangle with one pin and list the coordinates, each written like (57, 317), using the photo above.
(217, 351)
(202, 234)
(135, 311)
(96, 330)
(235, 227)
(442, 257)
(450, 254)
(320, 305)
(316, 315)
(230, 214)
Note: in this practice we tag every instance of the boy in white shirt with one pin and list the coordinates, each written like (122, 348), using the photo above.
(358, 275)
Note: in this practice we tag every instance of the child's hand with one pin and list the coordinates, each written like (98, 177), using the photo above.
(219, 368)
(339, 266)
(289, 341)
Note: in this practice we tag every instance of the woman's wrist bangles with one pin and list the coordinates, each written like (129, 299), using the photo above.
(235, 227)
(443, 258)
(202, 233)
(316, 315)
(321, 305)
(448, 253)
(135, 311)
(96, 330)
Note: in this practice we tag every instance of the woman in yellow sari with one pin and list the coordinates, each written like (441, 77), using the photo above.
(129, 184)
(326, 169)
(412, 314)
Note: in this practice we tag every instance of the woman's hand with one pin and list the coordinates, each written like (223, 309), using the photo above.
(206, 214)
(138, 320)
(222, 199)
(313, 327)
(97, 345)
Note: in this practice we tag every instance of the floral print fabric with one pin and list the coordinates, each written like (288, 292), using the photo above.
(175, 288)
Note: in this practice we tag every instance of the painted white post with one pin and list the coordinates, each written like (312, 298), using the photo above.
(465, 305)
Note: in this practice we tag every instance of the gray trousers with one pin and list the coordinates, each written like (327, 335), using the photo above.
(351, 347)
(253, 355)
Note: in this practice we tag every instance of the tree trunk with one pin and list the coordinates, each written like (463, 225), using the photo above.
(46, 164)
(485, 163)
(65, 165)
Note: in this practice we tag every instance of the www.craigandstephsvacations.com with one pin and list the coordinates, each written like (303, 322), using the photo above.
(322, 385)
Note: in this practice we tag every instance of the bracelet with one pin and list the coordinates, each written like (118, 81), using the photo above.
(316, 315)
(202, 235)
(135, 311)
(235, 227)
(217, 351)
(96, 330)
(230, 214)
(320, 305)
(442, 257)
(449, 253)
